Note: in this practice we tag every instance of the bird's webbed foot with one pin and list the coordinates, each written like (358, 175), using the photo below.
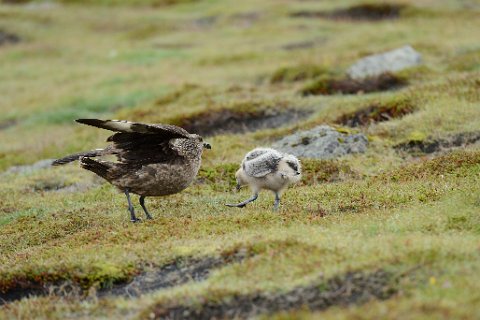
(238, 205)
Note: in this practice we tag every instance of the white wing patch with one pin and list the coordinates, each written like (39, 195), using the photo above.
(119, 125)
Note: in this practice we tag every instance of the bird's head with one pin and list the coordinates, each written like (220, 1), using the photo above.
(191, 147)
(292, 168)
(199, 140)
(241, 179)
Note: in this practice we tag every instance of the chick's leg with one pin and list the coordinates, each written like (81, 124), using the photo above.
(276, 204)
(244, 203)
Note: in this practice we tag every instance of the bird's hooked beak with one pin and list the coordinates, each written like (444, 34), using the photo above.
(207, 145)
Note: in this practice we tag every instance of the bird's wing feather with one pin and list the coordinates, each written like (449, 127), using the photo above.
(166, 130)
(263, 164)
(256, 153)
(139, 149)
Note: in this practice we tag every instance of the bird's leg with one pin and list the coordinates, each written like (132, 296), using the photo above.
(130, 208)
(277, 201)
(142, 203)
(244, 203)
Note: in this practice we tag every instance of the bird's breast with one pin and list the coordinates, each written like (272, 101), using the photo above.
(163, 178)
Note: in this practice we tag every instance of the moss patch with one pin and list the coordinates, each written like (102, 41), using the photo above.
(220, 177)
(319, 171)
(458, 163)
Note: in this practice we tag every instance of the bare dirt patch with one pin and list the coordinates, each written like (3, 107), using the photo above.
(60, 185)
(7, 124)
(432, 145)
(15, 1)
(306, 44)
(352, 288)
(226, 121)
(28, 289)
(376, 112)
(8, 38)
(330, 86)
(174, 274)
(298, 45)
(361, 12)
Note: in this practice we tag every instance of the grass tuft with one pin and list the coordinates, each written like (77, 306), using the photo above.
(298, 73)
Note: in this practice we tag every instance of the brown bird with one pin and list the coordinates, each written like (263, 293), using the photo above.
(152, 159)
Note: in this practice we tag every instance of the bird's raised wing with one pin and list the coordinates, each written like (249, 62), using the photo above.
(140, 149)
(256, 153)
(139, 143)
(260, 162)
(166, 130)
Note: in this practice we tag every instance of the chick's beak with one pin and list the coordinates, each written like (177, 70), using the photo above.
(238, 187)
(207, 145)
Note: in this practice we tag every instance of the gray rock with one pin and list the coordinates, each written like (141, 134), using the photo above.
(78, 187)
(390, 61)
(322, 142)
(42, 164)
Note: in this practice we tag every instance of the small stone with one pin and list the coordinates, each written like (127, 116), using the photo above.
(390, 61)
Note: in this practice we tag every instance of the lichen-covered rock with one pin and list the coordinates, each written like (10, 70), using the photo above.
(390, 61)
(322, 142)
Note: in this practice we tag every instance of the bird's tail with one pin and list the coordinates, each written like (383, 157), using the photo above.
(100, 168)
(77, 156)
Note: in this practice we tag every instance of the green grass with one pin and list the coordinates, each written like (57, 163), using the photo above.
(375, 210)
